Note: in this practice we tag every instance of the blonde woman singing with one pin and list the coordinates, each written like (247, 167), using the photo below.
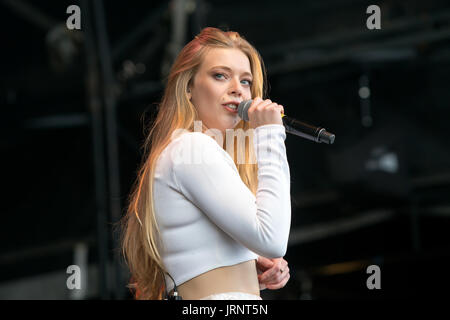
(210, 213)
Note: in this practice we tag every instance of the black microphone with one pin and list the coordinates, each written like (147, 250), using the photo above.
(292, 126)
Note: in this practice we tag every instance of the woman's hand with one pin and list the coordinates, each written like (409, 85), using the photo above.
(262, 112)
(272, 273)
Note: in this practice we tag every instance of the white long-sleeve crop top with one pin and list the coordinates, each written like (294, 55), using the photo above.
(207, 216)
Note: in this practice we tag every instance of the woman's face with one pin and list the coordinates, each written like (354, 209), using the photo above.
(224, 76)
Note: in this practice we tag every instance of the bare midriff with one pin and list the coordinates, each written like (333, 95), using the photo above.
(241, 277)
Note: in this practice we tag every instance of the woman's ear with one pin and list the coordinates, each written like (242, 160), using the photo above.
(189, 94)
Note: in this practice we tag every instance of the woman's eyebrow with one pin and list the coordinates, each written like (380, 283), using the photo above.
(229, 70)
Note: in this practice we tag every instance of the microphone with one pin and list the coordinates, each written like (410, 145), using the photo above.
(292, 126)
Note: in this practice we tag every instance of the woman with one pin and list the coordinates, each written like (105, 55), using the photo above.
(215, 225)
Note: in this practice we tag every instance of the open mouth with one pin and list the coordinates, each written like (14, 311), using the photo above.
(231, 107)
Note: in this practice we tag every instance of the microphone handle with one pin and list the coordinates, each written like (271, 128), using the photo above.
(316, 134)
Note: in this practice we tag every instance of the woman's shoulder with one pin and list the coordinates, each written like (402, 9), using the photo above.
(192, 139)
(192, 147)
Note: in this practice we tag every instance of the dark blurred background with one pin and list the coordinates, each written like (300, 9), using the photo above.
(76, 103)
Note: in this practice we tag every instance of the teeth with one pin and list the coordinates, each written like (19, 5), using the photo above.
(232, 106)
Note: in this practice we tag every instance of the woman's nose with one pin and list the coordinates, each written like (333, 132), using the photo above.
(235, 87)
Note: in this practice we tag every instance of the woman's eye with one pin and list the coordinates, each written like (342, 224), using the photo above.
(222, 76)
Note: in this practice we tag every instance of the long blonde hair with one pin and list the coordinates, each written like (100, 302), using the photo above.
(140, 234)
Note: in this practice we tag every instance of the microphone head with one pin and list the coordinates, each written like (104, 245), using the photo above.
(243, 109)
(327, 137)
